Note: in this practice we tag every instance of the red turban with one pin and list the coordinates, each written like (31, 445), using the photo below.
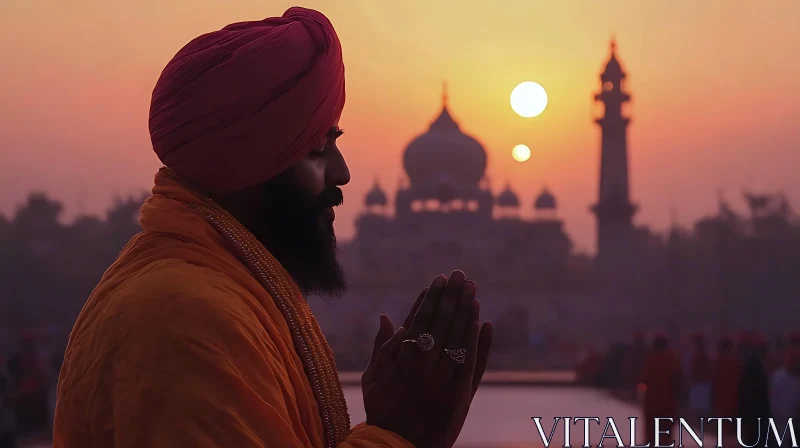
(237, 106)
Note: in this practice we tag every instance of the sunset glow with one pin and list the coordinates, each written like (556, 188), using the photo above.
(78, 76)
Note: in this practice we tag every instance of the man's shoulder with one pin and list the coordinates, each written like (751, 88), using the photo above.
(168, 293)
(176, 276)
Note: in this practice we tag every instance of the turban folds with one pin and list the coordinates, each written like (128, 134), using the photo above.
(237, 106)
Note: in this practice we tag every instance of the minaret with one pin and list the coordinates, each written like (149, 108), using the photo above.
(614, 210)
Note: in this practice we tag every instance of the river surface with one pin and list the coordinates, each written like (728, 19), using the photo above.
(500, 416)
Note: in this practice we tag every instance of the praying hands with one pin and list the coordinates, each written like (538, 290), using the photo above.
(422, 377)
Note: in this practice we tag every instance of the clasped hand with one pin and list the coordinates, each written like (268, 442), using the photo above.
(424, 394)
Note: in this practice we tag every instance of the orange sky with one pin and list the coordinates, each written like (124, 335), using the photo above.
(715, 85)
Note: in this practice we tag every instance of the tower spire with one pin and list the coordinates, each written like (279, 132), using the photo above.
(444, 94)
(613, 43)
(614, 210)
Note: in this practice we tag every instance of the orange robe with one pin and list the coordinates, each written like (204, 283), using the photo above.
(661, 373)
(180, 345)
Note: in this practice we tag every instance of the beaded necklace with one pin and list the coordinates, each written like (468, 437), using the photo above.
(315, 353)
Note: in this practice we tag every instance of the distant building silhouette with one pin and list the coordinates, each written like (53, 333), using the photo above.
(444, 216)
(447, 216)
(614, 210)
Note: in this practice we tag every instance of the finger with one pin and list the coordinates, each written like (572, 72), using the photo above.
(463, 374)
(461, 320)
(476, 310)
(484, 347)
(424, 316)
(446, 311)
(385, 361)
(414, 308)
(385, 332)
(396, 348)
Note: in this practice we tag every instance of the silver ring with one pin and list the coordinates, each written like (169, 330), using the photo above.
(425, 342)
(458, 355)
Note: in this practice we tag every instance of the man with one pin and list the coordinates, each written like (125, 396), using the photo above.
(589, 365)
(638, 354)
(701, 372)
(198, 334)
(661, 375)
(794, 341)
(785, 390)
(8, 438)
(30, 387)
(725, 385)
(777, 356)
(754, 391)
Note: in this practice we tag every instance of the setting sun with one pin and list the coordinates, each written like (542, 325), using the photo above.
(521, 153)
(528, 99)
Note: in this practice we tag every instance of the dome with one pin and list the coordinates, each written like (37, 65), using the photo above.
(444, 149)
(545, 201)
(507, 198)
(376, 196)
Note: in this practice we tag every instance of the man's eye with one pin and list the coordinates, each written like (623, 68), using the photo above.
(318, 151)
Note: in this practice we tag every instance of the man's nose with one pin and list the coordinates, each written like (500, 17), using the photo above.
(338, 173)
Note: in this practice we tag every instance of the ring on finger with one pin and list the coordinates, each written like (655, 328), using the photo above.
(458, 355)
(425, 342)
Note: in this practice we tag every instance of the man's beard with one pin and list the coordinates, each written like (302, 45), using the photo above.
(292, 227)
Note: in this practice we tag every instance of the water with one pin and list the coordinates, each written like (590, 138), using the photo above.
(500, 417)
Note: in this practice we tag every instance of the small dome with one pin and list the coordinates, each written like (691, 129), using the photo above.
(376, 196)
(545, 201)
(507, 198)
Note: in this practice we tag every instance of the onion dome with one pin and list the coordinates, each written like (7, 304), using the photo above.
(507, 198)
(376, 196)
(545, 201)
(445, 149)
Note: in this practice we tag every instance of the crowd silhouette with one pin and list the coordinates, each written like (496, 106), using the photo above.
(746, 377)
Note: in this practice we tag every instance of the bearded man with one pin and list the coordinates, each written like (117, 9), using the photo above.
(199, 333)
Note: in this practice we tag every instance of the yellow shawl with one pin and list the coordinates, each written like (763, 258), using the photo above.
(197, 337)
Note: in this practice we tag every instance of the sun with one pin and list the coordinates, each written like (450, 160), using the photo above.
(528, 99)
(521, 153)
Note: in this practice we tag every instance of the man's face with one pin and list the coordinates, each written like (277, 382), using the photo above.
(292, 215)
